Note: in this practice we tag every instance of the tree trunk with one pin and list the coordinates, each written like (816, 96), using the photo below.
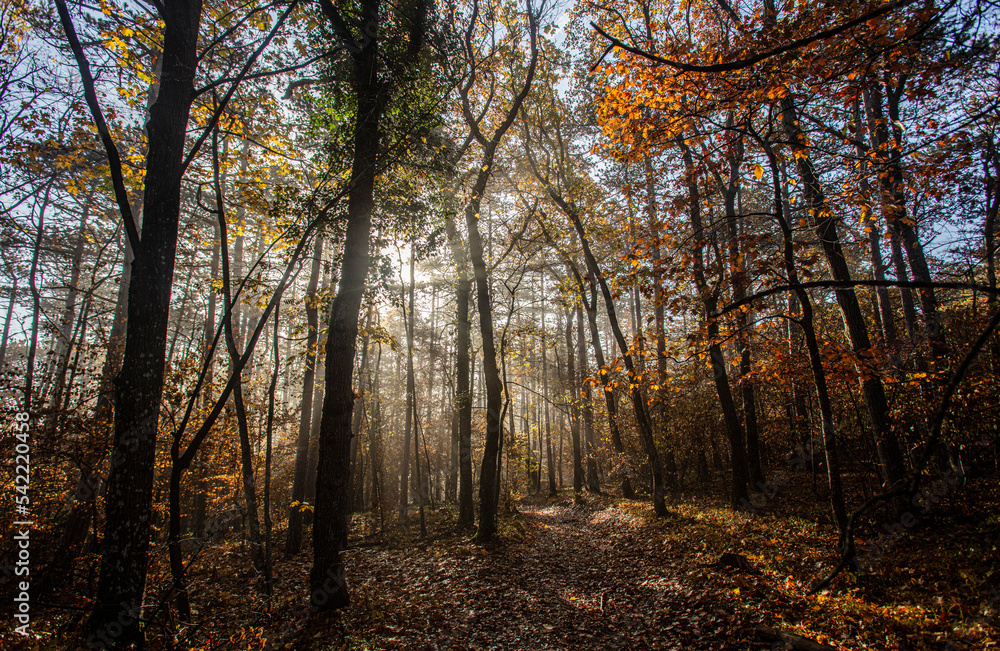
(611, 404)
(268, 449)
(65, 341)
(991, 175)
(7, 320)
(333, 472)
(893, 194)
(670, 464)
(139, 385)
(357, 419)
(201, 484)
(573, 386)
(232, 346)
(590, 450)
(638, 400)
(408, 320)
(740, 496)
(491, 372)
(319, 390)
(815, 360)
(888, 318)
(545, 399)
(737, 270)
(825, 222)
(293, 536)
(463, 393)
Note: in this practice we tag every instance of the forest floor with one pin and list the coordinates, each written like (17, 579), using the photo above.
(602, 573)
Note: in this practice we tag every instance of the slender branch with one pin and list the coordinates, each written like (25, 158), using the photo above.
(114, 159)
(839, 284)
(740, 64)
(266, 73)
(193, 446)
(232, 88)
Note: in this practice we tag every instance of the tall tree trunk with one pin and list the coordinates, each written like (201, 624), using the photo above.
(815, 360)
(890, 456)
(375, 440)
(611, 404)
(740, 496)
(905, 294)
(991, 176)
(65, 342)
(293, 536)
(115, 349)
(36, 303)
(670, 465)
(139, 385)
(893, 195)
(232, 346)
(463, 391)
(545, 399)
(603, 373)
(888, 317)
(268, 449)
(358, 489)
(451, 487)
(333, 473)
(638, 400)
(408, 320)
(574, 400)
(7, 321)
(491, 373)
(740, 282)
(202, 485)
(587, 407)
(319, 390)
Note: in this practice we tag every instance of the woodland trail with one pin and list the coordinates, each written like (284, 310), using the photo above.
(604, 573)
(571, 577)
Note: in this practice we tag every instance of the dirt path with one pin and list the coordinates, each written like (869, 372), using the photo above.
(574, 578)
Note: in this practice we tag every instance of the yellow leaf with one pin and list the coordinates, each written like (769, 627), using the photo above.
(758, 171)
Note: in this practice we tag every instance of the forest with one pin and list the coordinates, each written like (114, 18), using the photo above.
(500, 324)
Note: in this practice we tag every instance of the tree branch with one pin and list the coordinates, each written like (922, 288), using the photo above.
(232, 89)
(114, 159)
(842, 284)
(740, 64)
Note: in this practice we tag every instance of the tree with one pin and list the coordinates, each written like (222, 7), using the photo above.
(488, 476)
(139, 385)
(293, 542)
(367, 44)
